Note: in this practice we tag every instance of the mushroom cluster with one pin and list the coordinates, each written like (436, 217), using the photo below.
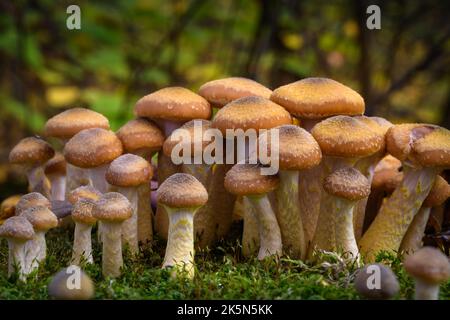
(345, 182)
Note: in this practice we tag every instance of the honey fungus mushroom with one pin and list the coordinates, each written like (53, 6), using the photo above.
(82, 240)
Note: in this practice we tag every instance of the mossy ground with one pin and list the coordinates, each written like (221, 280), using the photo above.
(222, 273)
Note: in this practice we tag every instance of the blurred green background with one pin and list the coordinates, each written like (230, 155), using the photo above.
(126, 49)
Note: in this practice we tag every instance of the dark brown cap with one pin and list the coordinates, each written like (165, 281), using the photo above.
(31, 151)
(30, 200)
(429, 265)
(189, 129)
(222, 91)
(56, 165)
(129, 170)
(173, 103)
(246, 179)
(92, 148)
(182, 190)
(68, 123)
(250, 113)
(83, 192)
(140, 134)
(17, 227)
(112, 207)
(439, 193)
(316, 98)
(347, 183)
(82, 212)
(41, 218)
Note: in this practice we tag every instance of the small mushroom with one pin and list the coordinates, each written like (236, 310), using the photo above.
(112, 209)
(182, 195)
(376, 282)
(429, 267)
(8, 207)
(31, 200)
(55, 170)
(83, 192)
(82, 242)
(71, 283)
(18, 231)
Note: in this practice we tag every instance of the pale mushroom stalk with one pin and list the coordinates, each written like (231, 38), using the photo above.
(112, 260)
(345, 236)
(35, 177)
(425, 290)
(58, 191)
(412, 241)
(82, 244)
(130, 226)
(250, 234)
(145, 213)
(97, 178)
(75, 177)
(36, 250)
(16, 258)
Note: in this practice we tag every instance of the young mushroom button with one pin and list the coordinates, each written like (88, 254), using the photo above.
(59, 290)
(387, 287)
(30, 200)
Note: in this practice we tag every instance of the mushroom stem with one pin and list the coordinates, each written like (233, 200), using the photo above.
(97, 177)
(412, 241)
(250, 234)
(390, 225)
(75, 177)
(130, 226)
(35, 251)
(16, 259)
(269, 231)
(82, 244)
(180, 243)
(144, 214)
(345, 236)
(288, 214)
(425, 290)
(112, 260)
(58, 187)
(38, 182)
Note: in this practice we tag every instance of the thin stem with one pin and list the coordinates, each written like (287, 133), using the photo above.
(58, 187)
(130, 226)
(145, 214)
(112, 260)
(82, 244)
(412, 241)
(250, 234)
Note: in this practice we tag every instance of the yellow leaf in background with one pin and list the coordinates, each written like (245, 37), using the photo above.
(61, 96)
(351, 28)
(293, 41)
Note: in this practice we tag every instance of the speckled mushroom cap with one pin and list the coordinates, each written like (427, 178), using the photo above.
(83, 192)
(343, 136)
(429, 265)
(193, 129)
(222, 91)
(68, 123)
(18, 228)
(58, 289)
(347, 183)
(316, 98)
(129, 170)
(250, 113)
(30, 200)
(140, 134)
(173, 103)
(389, 285)
(56, 165)
(112, 207)
(31, 151)
(182, 190)
(41, 218)
(439, 193)
(82, 212)
(8, 206)
(377, 124)
(246, 179)
(92, 148)
(297, 148)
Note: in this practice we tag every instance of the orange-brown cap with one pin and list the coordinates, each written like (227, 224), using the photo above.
(30, 200)
(112, 207)
(83, 192)
(17, 228)
(82, 212)
(182, 190)
(439, 193)
(8, 207)
(173, 103)
(347, 183)
(31, 151)
(297, 148)
(196, 137)
(378, 124)
(129, 170)
(316, 98)
(56, 165)
(246, 179)
(433, 149)
(250, 113)
(41, 218)
(429, 265)
(140, 134)
(92, 148)
(387, 175)
(222, 91)
(344, 136)
(68, 123)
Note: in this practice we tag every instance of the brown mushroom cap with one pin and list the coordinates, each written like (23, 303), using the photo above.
(56, 165)
(41, 218)
(439, 193)
(428, 264)
(387, 175)
(30, 200)
(82, 212)
(8, 206)
(189, 128)
(389, 285)
(246, 179)
(182, 190)
(343, 136)
(129, 170)
(433, 149)
(83, 192)
(92, 148)
(250, 113)
(31, 151)
(316, 98)
(17, 227)
(140, 134)
(173, 103)
(68, 123)
(222, 91)
(112, 207)
(58, 288)
(347, 183)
